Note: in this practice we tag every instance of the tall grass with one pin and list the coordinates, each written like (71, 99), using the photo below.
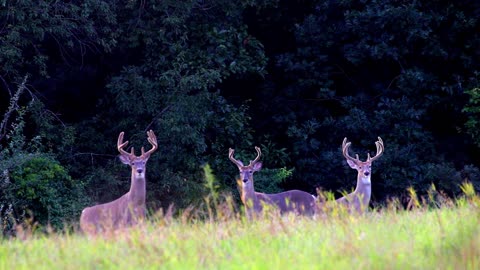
(444, 234)
(388, 238)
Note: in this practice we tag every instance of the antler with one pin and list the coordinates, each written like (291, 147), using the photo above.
(345, 146)
(259, 153)
(238, 162)
(230, 156)
(121, 145)
(380, 149)
(152, 139)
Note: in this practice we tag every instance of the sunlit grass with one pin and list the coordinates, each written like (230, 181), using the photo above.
(423, 238)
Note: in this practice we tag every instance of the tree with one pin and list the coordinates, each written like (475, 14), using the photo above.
(381, 68)
(182, 51)
(35, 35)
(33, 183)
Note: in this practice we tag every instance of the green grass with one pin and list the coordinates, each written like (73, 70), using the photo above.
(446, 238)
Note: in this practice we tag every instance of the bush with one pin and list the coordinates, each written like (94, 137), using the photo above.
(42, 188)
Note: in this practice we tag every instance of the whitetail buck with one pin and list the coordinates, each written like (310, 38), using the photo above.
(128, 209)
(296, 201)
(359, 199)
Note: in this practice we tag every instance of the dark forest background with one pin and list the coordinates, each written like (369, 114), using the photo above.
(293, 77)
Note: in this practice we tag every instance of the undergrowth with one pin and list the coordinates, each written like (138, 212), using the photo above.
(440, 235)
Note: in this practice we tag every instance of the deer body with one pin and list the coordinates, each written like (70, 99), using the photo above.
(112, 215)
(130, 208)
(359, 199)
(295, 201)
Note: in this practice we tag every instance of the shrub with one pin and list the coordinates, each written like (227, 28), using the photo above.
(42, 188)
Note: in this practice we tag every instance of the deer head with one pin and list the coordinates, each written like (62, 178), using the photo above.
(364, 168)
(137, 163)
(246, 172)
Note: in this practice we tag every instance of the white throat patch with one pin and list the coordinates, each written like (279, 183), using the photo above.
(366, 180)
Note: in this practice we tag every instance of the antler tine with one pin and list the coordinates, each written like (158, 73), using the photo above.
(345, 146)
(152, 139)
(380, 149)
(344, 143)
(121, 144)
(259, 153)
(230, 156)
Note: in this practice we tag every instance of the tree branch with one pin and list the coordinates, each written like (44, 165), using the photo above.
(156, 116)
(6, 86)
(12, 108)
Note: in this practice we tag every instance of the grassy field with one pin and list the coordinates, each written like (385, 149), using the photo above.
(445, 238)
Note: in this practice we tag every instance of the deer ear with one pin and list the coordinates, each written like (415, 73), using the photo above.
(352, 164)
(124, 159)
(257, 166)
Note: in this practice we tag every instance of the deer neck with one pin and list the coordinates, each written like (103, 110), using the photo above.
(364, 188)
(249, 196)
(138, 188)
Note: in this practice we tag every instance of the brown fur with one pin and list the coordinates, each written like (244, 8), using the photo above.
(130, 208)
(296, 201)
(359, 199)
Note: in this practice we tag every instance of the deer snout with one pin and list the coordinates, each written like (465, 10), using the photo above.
(245, 180)
(367, 173)
(139, 170)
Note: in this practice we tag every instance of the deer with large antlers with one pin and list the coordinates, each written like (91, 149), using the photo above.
(295, 201)
(130, 208)
(359, 199)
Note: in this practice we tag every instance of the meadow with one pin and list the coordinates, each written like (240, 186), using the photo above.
(445, 237)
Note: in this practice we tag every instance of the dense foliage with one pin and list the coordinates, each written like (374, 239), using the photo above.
(294, 77)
